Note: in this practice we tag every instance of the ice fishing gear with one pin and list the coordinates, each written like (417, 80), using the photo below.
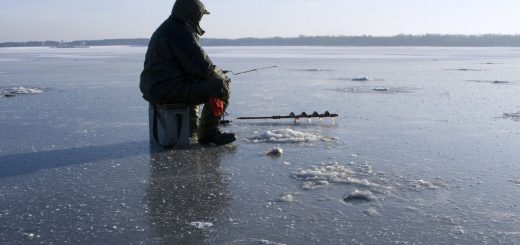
(294, 116)
(248, 71)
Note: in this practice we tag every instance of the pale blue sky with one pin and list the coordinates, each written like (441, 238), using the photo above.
(22, 20)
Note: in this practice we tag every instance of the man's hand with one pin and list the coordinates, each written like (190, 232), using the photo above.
(219, 74)
(217, 106)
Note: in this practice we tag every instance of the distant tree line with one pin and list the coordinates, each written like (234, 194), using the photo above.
(489, 40)
(105, 42)
(399, 40)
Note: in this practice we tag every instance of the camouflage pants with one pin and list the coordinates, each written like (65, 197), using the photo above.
(200, 92)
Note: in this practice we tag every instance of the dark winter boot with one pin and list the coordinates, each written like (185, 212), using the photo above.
(218, 138)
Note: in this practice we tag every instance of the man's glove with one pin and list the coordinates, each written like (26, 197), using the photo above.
(219, 74)
(217, 106)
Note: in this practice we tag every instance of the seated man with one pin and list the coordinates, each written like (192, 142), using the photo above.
(177, 70)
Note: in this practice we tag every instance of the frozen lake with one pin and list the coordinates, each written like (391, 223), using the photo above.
(426, 149)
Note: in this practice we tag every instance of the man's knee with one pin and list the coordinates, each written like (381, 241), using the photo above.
(222, 86)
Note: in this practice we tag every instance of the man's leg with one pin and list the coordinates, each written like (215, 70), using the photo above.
(209, 123)
(199, 93)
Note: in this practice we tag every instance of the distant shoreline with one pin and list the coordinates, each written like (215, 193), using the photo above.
(429, 40)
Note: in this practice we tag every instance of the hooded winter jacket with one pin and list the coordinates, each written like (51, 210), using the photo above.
(174, 58)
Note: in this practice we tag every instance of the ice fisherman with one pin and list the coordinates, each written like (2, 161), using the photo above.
(178, 71)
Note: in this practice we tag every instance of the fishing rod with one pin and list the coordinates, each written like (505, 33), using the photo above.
(248, 71)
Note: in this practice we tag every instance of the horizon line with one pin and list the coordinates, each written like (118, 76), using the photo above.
(282, 37)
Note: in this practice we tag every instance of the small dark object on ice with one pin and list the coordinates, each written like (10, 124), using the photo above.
(360, 196)
(381, 89)
(9, 95)
(514, 116)
(276, 152)
(361, 79)
(500, 82)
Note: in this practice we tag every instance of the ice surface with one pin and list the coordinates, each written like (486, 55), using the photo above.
(289, 136)
(491, 81)
(75, 161)
(368, 90)
(314, 70)
(371, 212)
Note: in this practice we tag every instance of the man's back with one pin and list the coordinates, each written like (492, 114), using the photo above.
(174, 57)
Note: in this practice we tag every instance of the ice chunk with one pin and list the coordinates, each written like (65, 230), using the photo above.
(267, 242)
(287, 198)
(201, 225)
(23, 90)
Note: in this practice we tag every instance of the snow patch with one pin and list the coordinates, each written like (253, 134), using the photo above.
(290, 136)
(323, 175)
(287, 198)
(371, 212)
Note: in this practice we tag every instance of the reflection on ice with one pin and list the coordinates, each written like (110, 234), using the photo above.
(187, 194)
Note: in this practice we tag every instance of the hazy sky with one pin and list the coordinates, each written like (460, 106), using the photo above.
(22, 20)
